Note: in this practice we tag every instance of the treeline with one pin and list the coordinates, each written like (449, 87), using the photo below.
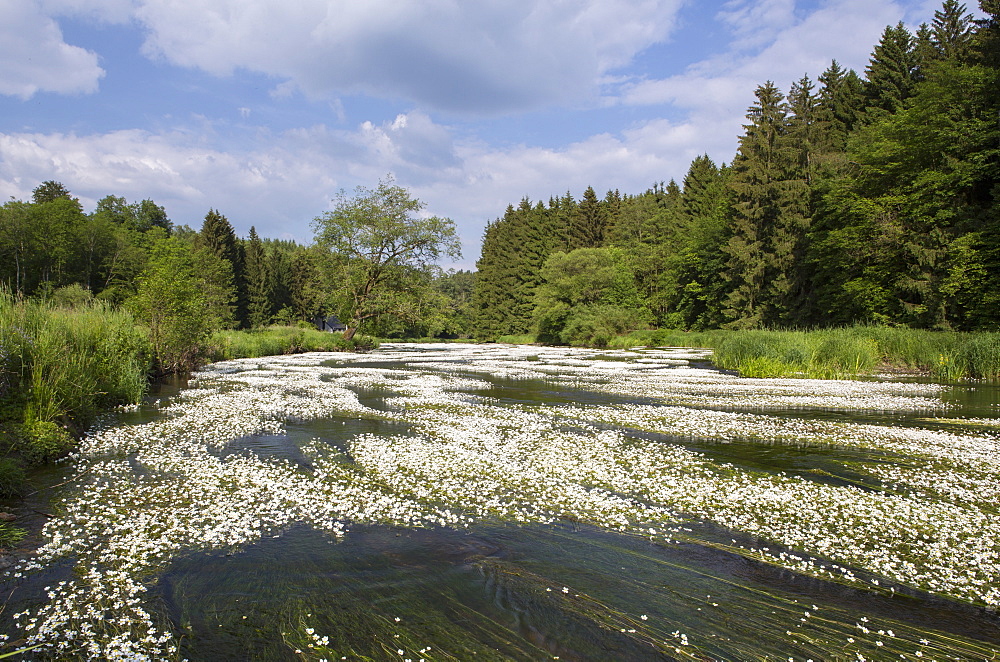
(183, 283)
(853, 199)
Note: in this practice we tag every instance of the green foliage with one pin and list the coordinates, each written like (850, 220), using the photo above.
(258, 281)
(275, 340)
(588, 296)
(12, 477)
(176, 302)
(71, 296)
(381, 255)
(44, 441)
(59, 368)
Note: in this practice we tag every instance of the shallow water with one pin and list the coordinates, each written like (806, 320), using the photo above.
(490, 502)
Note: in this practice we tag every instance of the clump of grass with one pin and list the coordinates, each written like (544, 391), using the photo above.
(60, 367)
(275, 340)
(839, 353)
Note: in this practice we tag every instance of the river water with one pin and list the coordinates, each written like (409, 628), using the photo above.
(471, 502)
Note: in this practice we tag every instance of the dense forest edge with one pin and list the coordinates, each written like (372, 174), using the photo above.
(851, 200)
(865, 208)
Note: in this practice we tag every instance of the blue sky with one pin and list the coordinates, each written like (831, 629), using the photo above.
(264, 110)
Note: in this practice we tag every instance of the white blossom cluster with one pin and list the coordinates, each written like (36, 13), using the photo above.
(151, 491)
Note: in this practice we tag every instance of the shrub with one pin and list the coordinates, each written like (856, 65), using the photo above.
(45, 441)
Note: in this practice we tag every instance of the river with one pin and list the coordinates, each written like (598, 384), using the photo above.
(494, 502)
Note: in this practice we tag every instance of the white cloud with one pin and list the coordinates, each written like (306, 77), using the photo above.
(35, 58)
(756, 22)
(721, 88)
(485, 57)
(287, 179)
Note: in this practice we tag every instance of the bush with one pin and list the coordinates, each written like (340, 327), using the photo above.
(596, 326)
(45, 441)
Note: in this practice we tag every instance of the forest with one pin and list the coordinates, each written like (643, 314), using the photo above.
(852, 199)
(132, 255)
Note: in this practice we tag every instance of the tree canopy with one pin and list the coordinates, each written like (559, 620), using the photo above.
(380, 252)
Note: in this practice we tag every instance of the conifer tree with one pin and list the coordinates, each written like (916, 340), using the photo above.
(952, 31)
(307, 293)
(589, 222)
(218, 236)
(925, 51)
(841, 103)
(986, 39)
(757, 169)
(700, 278)
(258, 282)
(787, 282)
(890, 72)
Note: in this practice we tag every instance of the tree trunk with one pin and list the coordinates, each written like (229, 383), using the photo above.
(349, 332)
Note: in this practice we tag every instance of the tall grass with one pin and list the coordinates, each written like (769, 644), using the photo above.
(66, 365)
(59, 368)
(274, 340)
(840, 352)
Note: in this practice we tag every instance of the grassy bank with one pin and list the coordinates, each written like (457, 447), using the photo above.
(61, 367)
(834, 353)
(274, 340)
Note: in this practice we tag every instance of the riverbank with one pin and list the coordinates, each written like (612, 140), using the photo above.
(62, 367)
(832, 353)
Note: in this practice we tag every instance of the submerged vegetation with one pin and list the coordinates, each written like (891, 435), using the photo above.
(541, 526)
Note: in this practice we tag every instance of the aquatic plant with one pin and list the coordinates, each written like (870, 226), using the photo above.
(907, 509)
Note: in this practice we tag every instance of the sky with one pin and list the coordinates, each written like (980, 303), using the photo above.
(266, 110)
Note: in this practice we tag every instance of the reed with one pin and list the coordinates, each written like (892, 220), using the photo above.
(66, 365)
(841, 352)
(60, 367)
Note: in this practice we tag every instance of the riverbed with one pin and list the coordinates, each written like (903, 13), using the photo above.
(495, 502)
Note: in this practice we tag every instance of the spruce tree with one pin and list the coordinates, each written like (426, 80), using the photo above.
(757, 169)
(925, 51)
(218, 236)
(952, 31)
(700, 270)
(258, 282)
(890, 72)
(589, 222)
(788, 288)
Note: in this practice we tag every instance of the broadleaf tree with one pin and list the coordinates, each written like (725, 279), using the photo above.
(376, 242)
